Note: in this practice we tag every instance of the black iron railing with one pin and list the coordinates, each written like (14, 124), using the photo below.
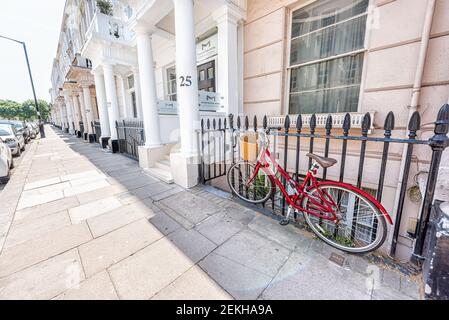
(130, 135)
(212, 167)
(96, 128)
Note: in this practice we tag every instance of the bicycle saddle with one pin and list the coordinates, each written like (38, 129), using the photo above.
(322, 161)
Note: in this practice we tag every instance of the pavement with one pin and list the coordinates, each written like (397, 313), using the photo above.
(77, 222)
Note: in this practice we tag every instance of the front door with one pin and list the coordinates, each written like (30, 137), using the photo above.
(206, 76)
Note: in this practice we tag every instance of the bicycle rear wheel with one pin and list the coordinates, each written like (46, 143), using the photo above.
(362, 227)
(259, 190)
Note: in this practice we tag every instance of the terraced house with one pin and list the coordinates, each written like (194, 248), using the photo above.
(170, 69)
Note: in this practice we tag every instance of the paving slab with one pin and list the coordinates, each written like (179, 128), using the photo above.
(150, 270)
(47, 208)
(41, 183)
(41, 248)
(98, 287)
(219, 228)
(150, 189)
(92, 209)
(241, 282)
(27, 201)
(164, 223)
(254, 251)
(24, 230)
(44, 280)
(192, 243)
(195, 284)
(109, 249)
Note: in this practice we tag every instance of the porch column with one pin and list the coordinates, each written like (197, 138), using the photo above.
(65, 121)
(102, 106)
(68, 106)
(184, 164)
(112, 103)
(125, 111)
(228, 58)
(83, 111)
(88, 108)
(137, 91)
(148, 90)
(76, 106)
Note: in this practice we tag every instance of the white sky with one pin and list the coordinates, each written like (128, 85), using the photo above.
(37, 23)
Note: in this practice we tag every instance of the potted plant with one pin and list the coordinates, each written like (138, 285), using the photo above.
(105, 7)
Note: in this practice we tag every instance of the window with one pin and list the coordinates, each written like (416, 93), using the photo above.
(326, 56)
(132, 92)
(171, 83)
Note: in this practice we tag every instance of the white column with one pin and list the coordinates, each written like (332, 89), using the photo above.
(148, 90)
(88, 108)
(76, 108)
(82, 109)
(64, 116)
(228, 60)
(102, 105)
(68, 106)
(187, 80)
(111, 98)
(138, 95)
(123, 93)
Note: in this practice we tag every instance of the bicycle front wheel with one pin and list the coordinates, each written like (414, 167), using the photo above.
(362, 227)
(258, 190)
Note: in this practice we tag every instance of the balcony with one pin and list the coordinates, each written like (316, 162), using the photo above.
(108, 28)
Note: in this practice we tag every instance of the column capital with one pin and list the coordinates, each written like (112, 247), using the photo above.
(142, 30)
(228, 13)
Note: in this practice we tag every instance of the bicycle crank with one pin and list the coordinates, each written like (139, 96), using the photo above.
(286, 220)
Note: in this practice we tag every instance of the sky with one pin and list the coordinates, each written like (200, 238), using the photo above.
(38, 24)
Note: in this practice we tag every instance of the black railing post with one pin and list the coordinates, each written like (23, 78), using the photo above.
(298, 146)
(284, 181)
(312, 132)
(438, 143)
(413, 127)
(203, 175)
(326, 147)
(346, 127)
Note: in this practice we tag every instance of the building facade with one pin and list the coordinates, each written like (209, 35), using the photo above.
(171, 63)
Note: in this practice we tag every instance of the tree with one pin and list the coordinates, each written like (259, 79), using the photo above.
(28, 109)
(9, 109)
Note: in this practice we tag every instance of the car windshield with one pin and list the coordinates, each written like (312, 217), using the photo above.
(5, 131)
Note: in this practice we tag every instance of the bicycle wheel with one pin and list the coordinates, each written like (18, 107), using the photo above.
(257, 191)
(362, 227)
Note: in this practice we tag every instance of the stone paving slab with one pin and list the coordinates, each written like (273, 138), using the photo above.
(117, 232)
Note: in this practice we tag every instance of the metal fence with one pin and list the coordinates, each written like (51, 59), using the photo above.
(130, 135)
(294, 131)
(96, 128)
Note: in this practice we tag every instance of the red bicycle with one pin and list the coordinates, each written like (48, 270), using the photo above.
(340, 214)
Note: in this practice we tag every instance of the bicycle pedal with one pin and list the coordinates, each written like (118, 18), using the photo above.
(284, 222)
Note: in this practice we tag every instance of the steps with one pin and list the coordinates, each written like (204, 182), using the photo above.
(162, 170)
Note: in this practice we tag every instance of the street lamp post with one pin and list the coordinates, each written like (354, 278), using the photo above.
(41, 125)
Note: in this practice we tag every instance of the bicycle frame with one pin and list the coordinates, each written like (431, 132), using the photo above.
(270, 166)
(325, 203)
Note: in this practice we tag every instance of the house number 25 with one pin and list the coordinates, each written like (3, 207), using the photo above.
(185, 81)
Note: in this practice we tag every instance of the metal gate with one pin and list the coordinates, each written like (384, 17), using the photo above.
(96, 128)
(130, 135)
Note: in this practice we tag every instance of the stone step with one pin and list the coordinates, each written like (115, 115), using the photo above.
(162, 174)
(164, 165)
(167, 157)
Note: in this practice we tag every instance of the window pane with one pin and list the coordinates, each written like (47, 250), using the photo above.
(210, 73)
(335, 40)
(202, 75)
(324, 13)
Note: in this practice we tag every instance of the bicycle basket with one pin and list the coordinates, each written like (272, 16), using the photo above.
(249, 148)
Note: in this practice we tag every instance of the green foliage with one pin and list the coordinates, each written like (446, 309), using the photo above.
(23, 111)
(105, 7)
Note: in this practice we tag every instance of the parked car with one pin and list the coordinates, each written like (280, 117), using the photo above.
(13, 138)
(31, 130)
(6, 161)
(35, 127)
(20, 127)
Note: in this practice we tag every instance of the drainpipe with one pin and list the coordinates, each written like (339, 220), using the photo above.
(417, 85)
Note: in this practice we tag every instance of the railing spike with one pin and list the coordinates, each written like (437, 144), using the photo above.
(214, 123)
(366, 123)
(238, 122)
(246, 123)
(287, 122)
(328, 124)
(299, 123)
(231, 121)
(442, 123)
(255, 123)
(219, 123)
(265, 122)
(389, 121)
(313, 122)
(202, 124)
(225, 123)
(208, 124)
(415, 122)
(347, 123)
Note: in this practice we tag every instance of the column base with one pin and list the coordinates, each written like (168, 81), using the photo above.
(85, 136)
(184, 169)
(148, 156)
(66, 130)
(113, 145)
(78, 133)
(91, 137)
(72, 132)
(104, 142)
